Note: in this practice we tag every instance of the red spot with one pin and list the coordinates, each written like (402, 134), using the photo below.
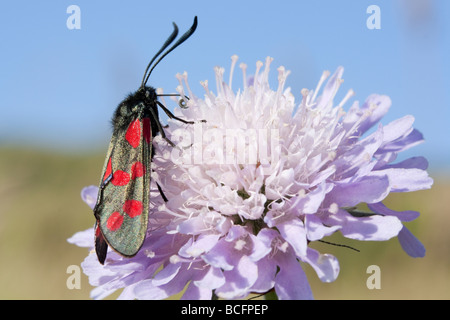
(137, 170)
(108, 170)
(120, 178)
(147, 130)
(133, 134)
(98, 232)
(114, 221)
(133, 208)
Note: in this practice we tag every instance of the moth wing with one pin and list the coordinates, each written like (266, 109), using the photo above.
(122, 205)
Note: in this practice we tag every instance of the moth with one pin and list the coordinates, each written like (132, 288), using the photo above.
(121, 210)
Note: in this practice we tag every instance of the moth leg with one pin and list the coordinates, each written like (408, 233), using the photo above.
(162, 193)
(171, 115)
(160, 128)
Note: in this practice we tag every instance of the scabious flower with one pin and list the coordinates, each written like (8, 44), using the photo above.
(251, 187)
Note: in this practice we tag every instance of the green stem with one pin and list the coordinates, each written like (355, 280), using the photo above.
(271, 295)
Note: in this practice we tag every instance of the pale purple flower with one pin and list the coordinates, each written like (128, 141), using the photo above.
(253, 185)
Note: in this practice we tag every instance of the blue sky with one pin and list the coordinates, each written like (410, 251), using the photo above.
(59, 87)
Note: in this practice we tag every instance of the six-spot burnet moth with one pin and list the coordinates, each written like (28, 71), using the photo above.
(121, 211)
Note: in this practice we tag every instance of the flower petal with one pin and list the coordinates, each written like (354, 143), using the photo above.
(316, 230)
(212, 279)
(291, 282)
(83, 238)
(239, 280)
(293, 231)
(194, 292)
(325, 265)
(371, 228)
(412, 246)
(89, 195)
(404, 180)
(402, 215)
(368, 189)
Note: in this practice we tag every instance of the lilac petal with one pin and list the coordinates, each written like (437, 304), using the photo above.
(330, 88)
(267, 270)
(192, 226)
(145, 290)
(356, 161)
(402, 215)
(291, 282)
(203, 244)
(310, 203)
(404, 180)
(325, 265)
(389, 151)
(220, 255)
(196, 293)
(410, 163)
(372, 228)
(410, 244)
(375, 107)
(98, 275)
(293, 231)
(368, 189)
(262, 243)
(100, 293)
(83, 238)
(89, 195)
(315, 229)
(260, 248)
(378, 106)
(239, 280)
(236, 232)
(212, 279)
(398, 128)
(166, 274)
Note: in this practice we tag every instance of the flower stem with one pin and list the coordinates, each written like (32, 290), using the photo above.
(271, 295)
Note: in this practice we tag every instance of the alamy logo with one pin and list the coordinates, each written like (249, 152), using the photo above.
(258, 147)
(374, 280)
(74, 279)
(74, 20)
(374, 20)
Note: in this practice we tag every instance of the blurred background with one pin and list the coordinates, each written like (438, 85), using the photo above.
(59, 87)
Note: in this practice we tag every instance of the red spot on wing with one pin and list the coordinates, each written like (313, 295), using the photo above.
(114, 221)
(133, 134)
(98, 232)
(133, 208)
(108, 170)
(137, 170)
(120, 178)
(147, 130)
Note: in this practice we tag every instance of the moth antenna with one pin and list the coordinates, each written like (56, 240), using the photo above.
(339, 245)
(165, 45)
(183, 38)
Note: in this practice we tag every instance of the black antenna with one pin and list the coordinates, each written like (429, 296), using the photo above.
(165, 45)
(183, 38)
(339, 245)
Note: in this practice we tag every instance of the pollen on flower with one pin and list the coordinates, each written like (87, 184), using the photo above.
(240, 244)
(284, 246)
(175, 259)
(149, 253)
(333, 208)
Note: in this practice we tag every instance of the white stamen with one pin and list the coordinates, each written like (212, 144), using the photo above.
(243, 67)
(324, 76)
(234, 59)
